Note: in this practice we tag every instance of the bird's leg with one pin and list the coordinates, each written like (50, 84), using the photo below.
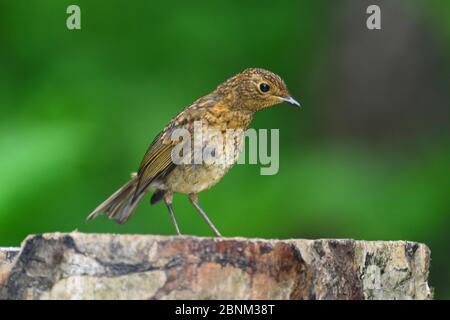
(194, 200)
(168, 200)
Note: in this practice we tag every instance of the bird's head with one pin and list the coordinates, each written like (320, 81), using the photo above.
(254, 89)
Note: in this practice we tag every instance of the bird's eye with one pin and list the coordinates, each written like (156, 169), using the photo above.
(264, 87)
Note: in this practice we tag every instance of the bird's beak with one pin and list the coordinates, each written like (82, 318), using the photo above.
(291, 100)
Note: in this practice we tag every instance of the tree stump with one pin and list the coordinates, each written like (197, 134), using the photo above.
(106, 266)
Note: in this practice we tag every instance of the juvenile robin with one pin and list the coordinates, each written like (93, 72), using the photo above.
(231, 106)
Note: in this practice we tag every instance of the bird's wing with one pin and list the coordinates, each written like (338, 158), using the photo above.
(157, 161)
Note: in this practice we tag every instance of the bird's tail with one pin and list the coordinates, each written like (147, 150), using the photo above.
(121, 204)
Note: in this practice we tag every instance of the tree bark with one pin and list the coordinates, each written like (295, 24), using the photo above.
(105, 266)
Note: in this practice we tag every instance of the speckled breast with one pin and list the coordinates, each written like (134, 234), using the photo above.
(219, 153)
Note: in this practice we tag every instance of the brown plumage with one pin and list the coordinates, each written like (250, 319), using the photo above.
(231, 105)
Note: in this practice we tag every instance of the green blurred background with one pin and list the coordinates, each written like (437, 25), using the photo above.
(367, 157)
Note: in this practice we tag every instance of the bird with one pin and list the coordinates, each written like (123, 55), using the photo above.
(230, 107)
